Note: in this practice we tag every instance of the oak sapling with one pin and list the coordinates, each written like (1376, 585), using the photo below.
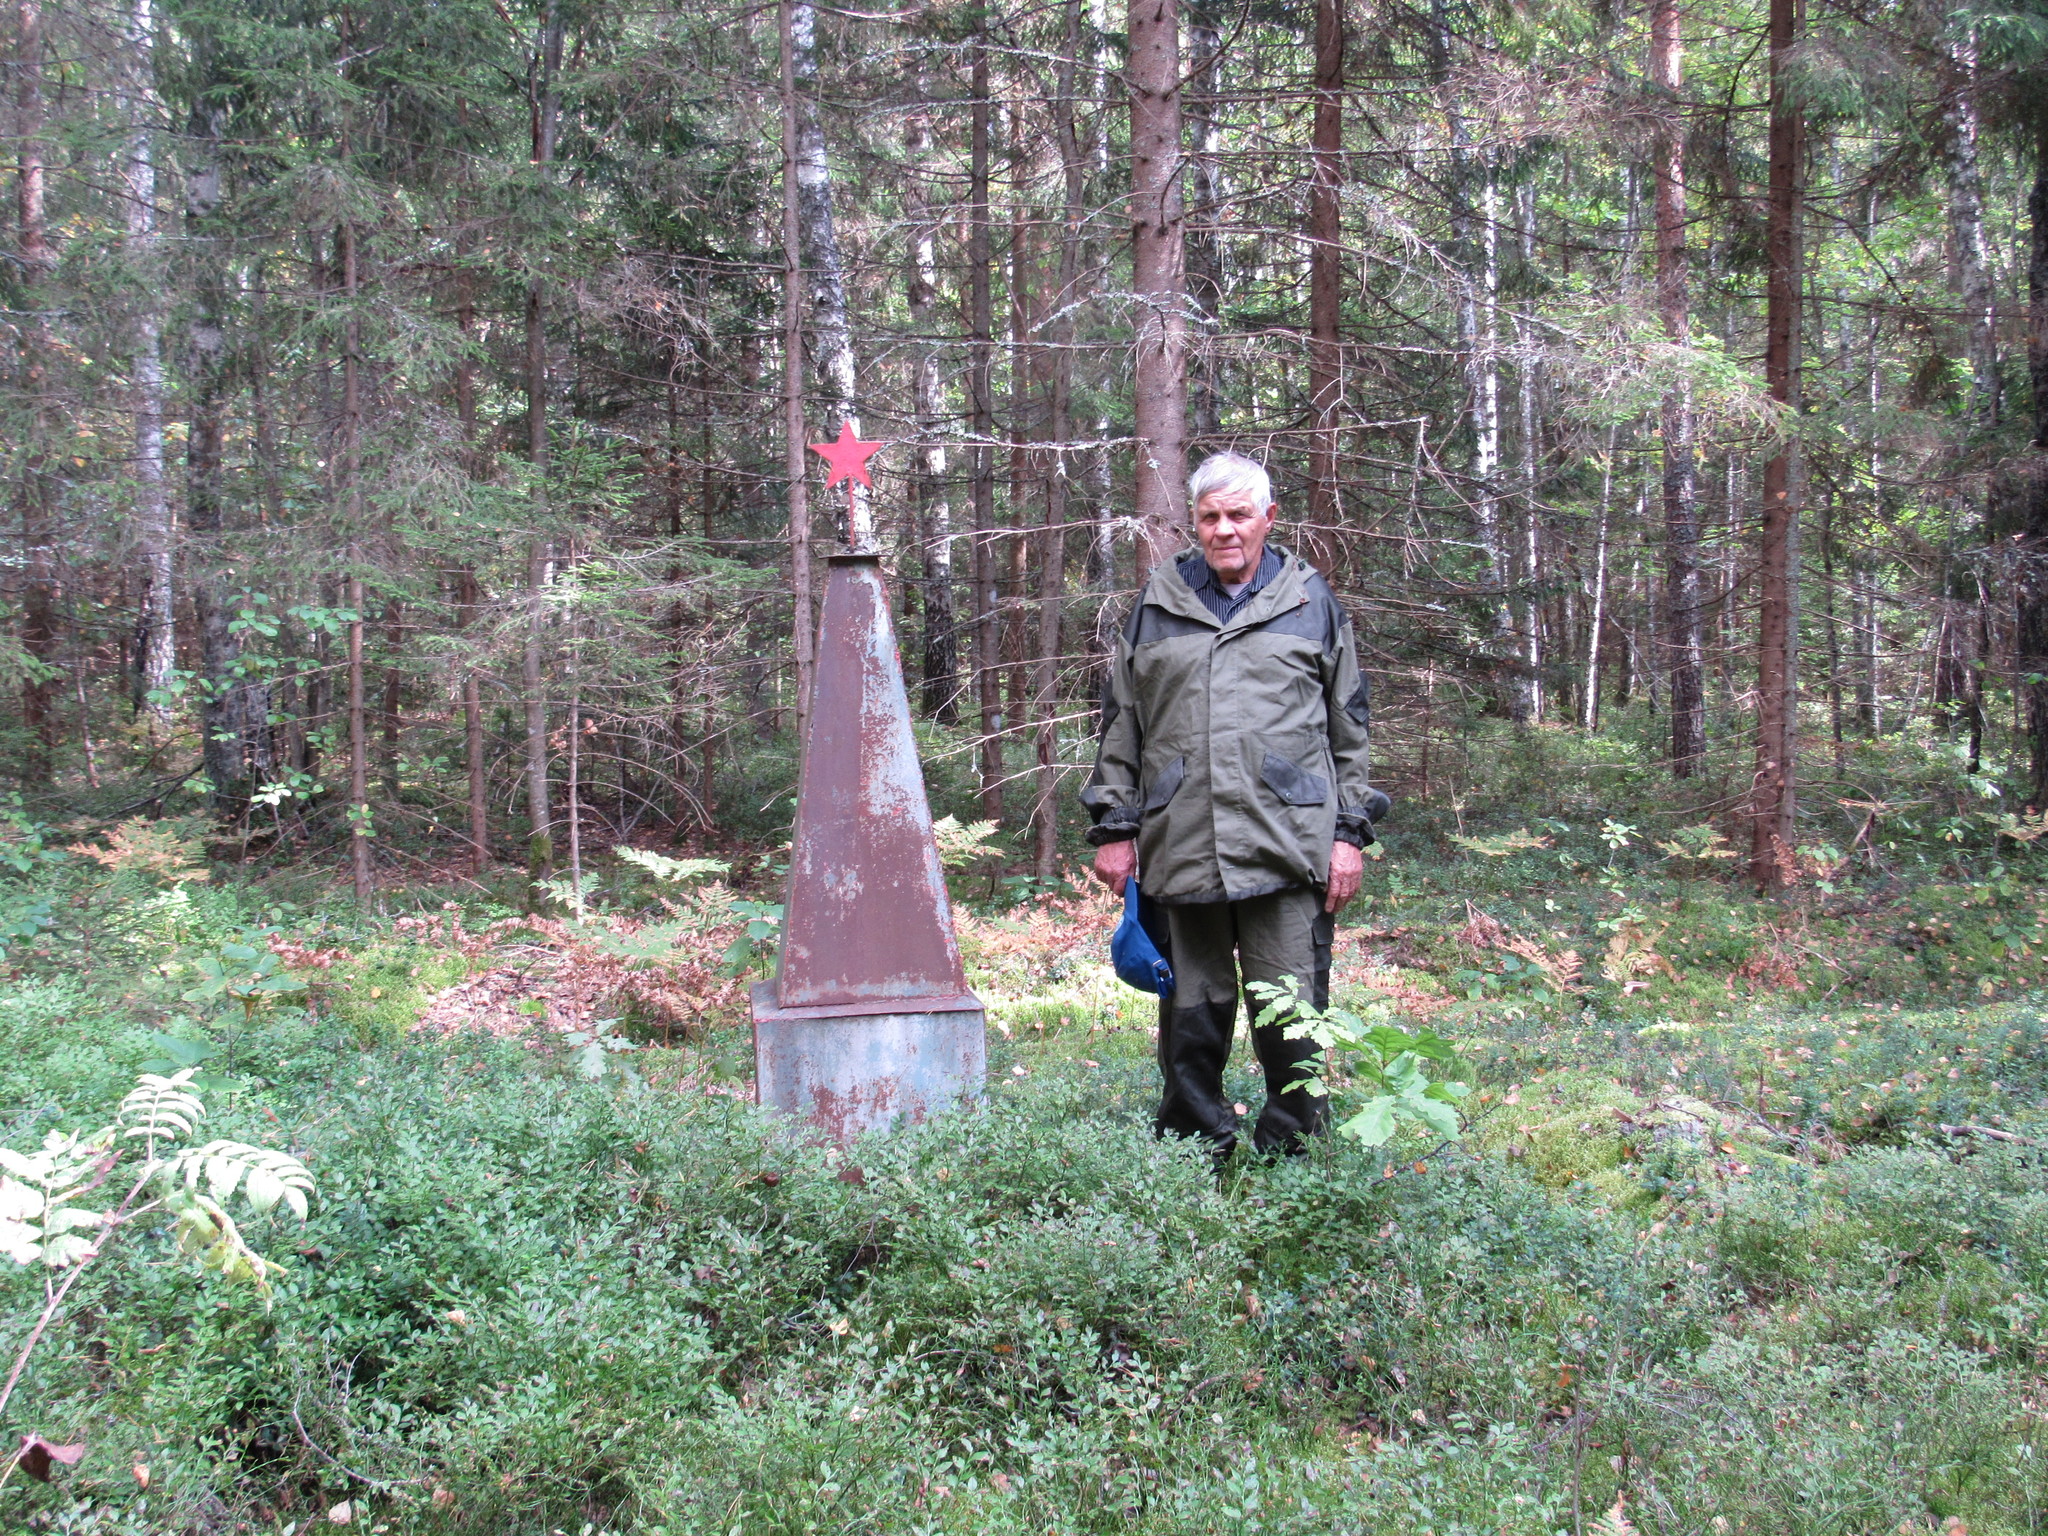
(1387, 1062)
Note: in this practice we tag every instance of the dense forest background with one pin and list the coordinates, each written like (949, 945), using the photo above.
(404, 405)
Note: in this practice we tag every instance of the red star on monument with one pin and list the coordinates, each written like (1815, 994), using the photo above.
(848, 457)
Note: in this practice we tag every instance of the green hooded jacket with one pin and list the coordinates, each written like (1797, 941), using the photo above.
(1234, 752)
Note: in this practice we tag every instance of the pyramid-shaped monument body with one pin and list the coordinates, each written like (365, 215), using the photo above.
(869, 1019)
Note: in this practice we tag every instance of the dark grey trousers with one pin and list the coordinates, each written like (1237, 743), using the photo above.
(1212, 946)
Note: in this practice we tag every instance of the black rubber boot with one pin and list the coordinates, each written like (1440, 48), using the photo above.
(1194, 1046)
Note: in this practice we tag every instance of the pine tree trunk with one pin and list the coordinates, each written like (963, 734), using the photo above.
(1205, 219)
(1325, 272)
(351, 471)
(234, 712)
(1052, 564)
(2019, 499)
(1017, 547)
(982, 419)
(540, 848)
(469, 600)
(1773, 835)
(1158, 277)
(34, 492)
(1682, 645)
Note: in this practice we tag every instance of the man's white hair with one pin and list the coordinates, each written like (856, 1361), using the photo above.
(1230, 472)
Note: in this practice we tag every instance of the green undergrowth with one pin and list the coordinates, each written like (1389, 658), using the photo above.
(1748, 1231)
(527, 1303)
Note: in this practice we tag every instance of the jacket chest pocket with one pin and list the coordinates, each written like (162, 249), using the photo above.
(1292, 783)
(1163, 788)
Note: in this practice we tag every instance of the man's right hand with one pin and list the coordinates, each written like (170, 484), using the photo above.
(1116, 863)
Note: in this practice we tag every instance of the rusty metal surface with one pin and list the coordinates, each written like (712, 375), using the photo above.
(867, 920)
(867, 1071)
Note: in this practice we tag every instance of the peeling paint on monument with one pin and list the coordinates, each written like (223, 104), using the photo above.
(869, 1019)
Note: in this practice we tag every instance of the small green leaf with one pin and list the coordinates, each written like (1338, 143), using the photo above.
(1374, 1124)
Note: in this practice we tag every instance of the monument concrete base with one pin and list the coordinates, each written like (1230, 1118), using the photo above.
(858, 1067)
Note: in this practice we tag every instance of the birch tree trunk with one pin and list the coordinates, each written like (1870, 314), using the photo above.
(818, 235)
(1773, 835)
(1479, 324)
(1475, 263)
(795, 472)
(1682, 645)
(1589, 704)
(1966, 228)
(1531, 445)
(934, 513)
(158, 650)
(1158, 271)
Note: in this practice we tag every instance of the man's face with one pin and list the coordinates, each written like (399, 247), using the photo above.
(1231, 527)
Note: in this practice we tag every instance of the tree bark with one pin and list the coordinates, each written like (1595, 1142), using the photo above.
(1205, 220)
(981, 411)
(351, 471)
(152, 505)
(540, 848)
(1529, 440)
(1973, 274)
(1682, 644)
(234, 712)
(1475, 260)
(818, 235)
(1589, 703)
(795, 471)
(34, 492)
(1325, 270)
(1158, 276)
(933, 510)
(469, 596)
(1052, 566)
(1773, 835)
(2019, 499)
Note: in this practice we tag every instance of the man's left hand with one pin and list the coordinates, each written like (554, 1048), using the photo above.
(1347, 869)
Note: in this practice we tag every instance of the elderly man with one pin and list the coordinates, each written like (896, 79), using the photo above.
(1231, 780)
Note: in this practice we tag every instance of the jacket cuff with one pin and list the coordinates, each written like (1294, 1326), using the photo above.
(1355, 822)
(1110, 832)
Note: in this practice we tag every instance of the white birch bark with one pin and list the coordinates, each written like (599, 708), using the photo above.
(824, 270)
(152, 505)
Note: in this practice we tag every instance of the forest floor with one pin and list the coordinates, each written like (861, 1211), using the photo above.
(1747, 1232)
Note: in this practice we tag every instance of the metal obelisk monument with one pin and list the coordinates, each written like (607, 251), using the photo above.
(869, 1020)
